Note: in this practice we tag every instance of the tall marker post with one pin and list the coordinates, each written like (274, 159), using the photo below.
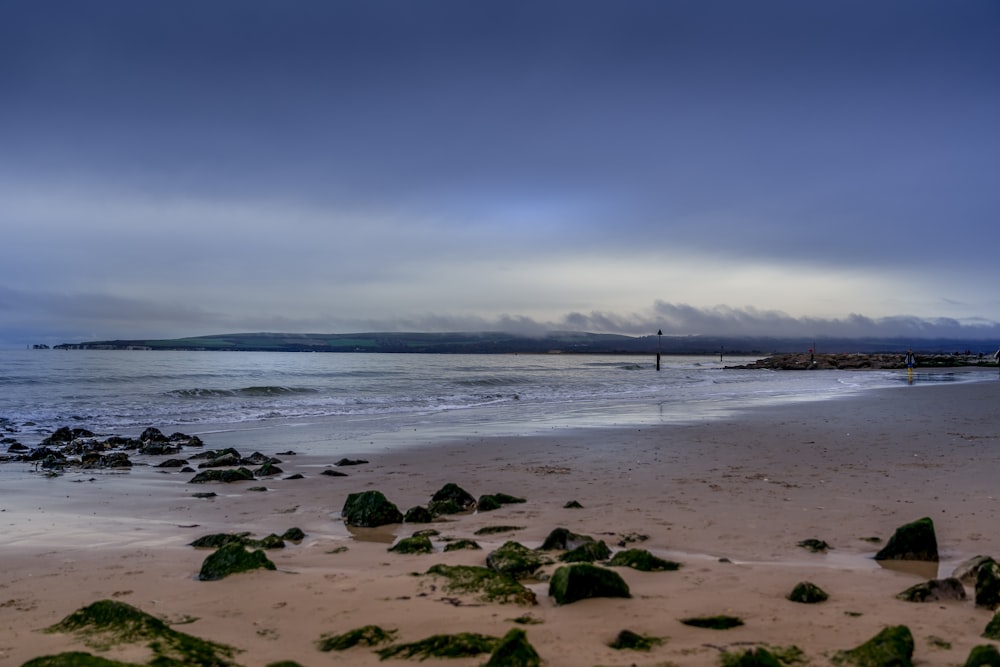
(659, 347)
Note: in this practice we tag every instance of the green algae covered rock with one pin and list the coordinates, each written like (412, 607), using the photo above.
(934, 591)
(988, 584)
(992, 630)
(587, 553)
(807, 593)
(459, 545)
(562, 539)
(571, 583)
(487, 585)
(369, 509)
(984, 655)
(892, 646)
(231, 559)
(752, 657)
(418, 514)
(513, 650)
(107, 623)
(633, 641)
(368, 635)
(240, 474)
(515, 560)
(494, 501)
(76, 659)
(640, 559)
(912, 541)
(454, 493)
(461, 645)
(416, 544)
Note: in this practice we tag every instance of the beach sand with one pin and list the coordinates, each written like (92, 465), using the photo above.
(729, 499)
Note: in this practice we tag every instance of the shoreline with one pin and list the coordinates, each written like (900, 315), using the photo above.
(746, 488)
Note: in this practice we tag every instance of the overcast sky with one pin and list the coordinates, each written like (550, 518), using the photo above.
(188, 167)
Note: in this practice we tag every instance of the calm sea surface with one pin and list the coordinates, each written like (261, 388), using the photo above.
(358, 395)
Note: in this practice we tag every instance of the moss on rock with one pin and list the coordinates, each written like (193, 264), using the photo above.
(988, 584)
(912, 541)
(587, 553)
(640, 559)
(892, 646)
(752, 657)
(369, 509)
(984, 655)
(513, 650)
(808, 593)
(106, 623)
(486, 584)
(459, 545)
(368, 635)
(453, 492)
(571, 583)
(515, 560)
(416, 544)
(231, 559)
(461, 645)
(992, 630)
(76, 659)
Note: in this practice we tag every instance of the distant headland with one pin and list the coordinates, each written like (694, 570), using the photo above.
(559, 342)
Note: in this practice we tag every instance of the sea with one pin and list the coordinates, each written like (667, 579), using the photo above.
(393, 399)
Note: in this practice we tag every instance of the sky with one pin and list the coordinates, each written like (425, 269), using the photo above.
(700, 167)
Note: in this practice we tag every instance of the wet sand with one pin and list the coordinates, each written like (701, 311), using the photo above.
(728, 499)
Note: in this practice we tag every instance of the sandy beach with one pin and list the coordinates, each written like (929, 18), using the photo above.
(728, 499)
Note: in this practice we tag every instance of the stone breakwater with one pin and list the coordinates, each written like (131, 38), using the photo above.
(805, 361)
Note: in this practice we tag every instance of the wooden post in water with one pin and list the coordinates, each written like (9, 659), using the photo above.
(659, 347)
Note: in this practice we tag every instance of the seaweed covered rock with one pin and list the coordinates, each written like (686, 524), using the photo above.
(752, 657)
(216, 540)
(494, 501)
(231, 559)
(912, 541)
(892, 646)
(459, 545)
(515, 559)
(992, 630)
(513, 650)
(461, 645)
(368, 635)
(455, 493)
(633, 641)
(968, 570)
(294, 534)
(988, 584)
(76, 659)
(640, 559)
(807, 593)
(579, 581)
(108, 622)
(369, 509)
(227, 476)
(587, 553)
(562, 539)
(934, 590)
(984, 655)
(485, 584)
(415, 544)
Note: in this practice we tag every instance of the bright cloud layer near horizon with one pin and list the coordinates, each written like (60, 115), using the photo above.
(717, 168)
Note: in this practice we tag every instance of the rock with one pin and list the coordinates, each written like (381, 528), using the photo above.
(515, 560)
(440, 507)
(587, 553)
(288, 453)
(562, 539)
(640, 559)
(222, 461)
(159, 449)
(296, 476)
(571, 583)
(152, 434)
(984, 655)
(268, 470)
(573, 505)
(227, 476)
(369, 509)
(206, 494)
(369, 635)
(216, 540)
(330, 472)
(17, 448)
(172, 463)
(231, 559)
(418, 514)
(455, 493)
(75, 659)
(720, 622)
(350, 462)
(808, 593)
(293, 534)
(934, 590)
(417, 544)
(814, 545)
(514, 651)
(633, 641)
(753, 657)
(892, 646)
(988, 585)
(967, 570)
(257, 459)
(487, 504)
(913, 541)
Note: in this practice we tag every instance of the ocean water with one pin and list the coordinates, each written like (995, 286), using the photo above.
(358, 396)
